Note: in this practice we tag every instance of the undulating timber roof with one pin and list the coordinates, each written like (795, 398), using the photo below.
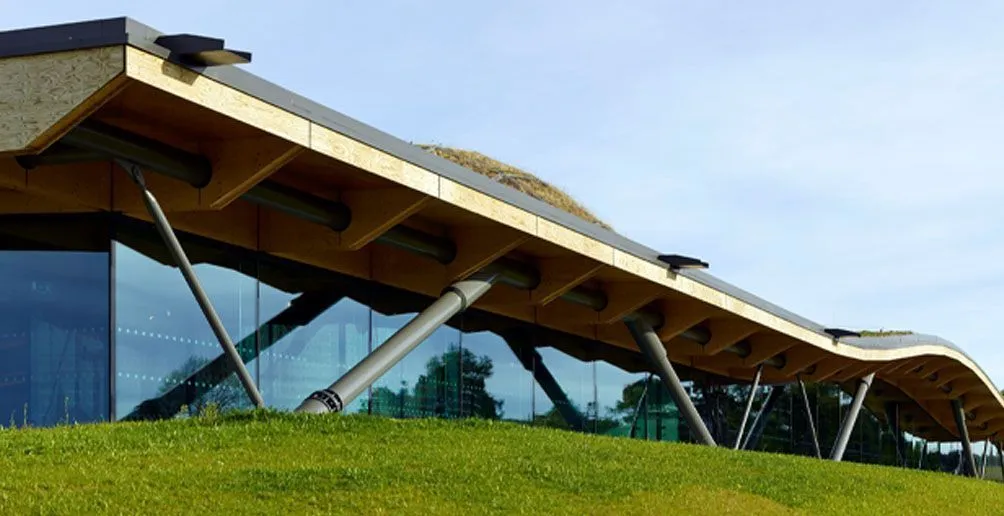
(231, 148)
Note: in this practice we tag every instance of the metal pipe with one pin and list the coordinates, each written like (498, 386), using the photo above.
(332, 214)
(840, 445)
(99, 139)
(181, 259)
(1000, 457)
(808, 417)
(749, 406)
(967, 448)
(531, 361)
(457, 298)
(59, 154)
(653, 349)
(760, 421)
(149, 154)
(983, 460)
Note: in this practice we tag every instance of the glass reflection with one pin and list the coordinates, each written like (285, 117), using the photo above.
(426, 383)
(495, 385)
(54, 337)
(308, 340)
(163, 340)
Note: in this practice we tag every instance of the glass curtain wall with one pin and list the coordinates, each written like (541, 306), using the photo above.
(298, 328)
(54, 320)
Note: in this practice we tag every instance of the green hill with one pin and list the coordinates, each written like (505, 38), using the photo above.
(272, 463)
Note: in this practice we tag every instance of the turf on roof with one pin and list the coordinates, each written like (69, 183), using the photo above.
(515, 178)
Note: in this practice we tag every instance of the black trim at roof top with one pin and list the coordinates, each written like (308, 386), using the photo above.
(117, 31)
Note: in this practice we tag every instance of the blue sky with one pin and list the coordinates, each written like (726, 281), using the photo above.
(838, 159)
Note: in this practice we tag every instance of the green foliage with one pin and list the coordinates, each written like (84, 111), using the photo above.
(265, 462)
(884, 333)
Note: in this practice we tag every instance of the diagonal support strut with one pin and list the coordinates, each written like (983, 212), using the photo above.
(181, 259)
(840, 445)
(650, 344)
(808, 418)
(968, 459)
(455, 299)
(749, 405)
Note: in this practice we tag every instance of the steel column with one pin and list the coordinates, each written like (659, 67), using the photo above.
(653, 349)
(760, 421)
(1000, 456)
(455, 299)
(983, 460)
(181, 259)
(967, 448)
(808, 417)
(840, 445)
(532, 362)
(749, 405)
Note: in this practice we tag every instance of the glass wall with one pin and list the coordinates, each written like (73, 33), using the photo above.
(307, 340)
(54, 321)
(65, 279)
(164, 343)
(494, 383)
(426, 383)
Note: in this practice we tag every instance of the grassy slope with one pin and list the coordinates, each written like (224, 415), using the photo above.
(268, 463)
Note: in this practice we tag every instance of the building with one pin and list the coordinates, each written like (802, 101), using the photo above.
(317, 239)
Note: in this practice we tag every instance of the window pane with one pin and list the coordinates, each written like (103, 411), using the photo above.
(54, 314)
(495, 385)
(308, 340)
(625, 405)
(426, 382)
(163, 342)
(575, 378)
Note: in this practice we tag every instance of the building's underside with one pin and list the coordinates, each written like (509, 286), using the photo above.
(236, 160)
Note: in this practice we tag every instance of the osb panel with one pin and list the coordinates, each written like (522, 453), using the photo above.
(577, 242)
(487, 206)
(38, 103)
(203, 91)
(372, 160)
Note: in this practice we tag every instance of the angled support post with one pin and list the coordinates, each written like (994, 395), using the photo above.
(808, 418)
(181, 259)
(892, 416)
(749, 405)
(1000, 456)
(649, 344)
(967, 448)
(760, 421)
(531, 361)
(837, 454)
(983, 460)
(455, 299)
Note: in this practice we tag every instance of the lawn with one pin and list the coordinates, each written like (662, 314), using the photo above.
(268, 463)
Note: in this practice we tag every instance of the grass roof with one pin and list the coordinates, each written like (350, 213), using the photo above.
(515, 178)
(884, 333)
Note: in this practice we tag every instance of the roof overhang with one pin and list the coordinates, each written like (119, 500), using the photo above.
(229, 145)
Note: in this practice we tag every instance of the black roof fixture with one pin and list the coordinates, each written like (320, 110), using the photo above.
(677, 262)
(839, 332)
(196, 50)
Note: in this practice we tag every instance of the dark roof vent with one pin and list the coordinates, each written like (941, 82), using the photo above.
(677, 262)
(196, 50)
(839, 332)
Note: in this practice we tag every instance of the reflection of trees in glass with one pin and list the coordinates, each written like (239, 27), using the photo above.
(227, 395)
(437, 392)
